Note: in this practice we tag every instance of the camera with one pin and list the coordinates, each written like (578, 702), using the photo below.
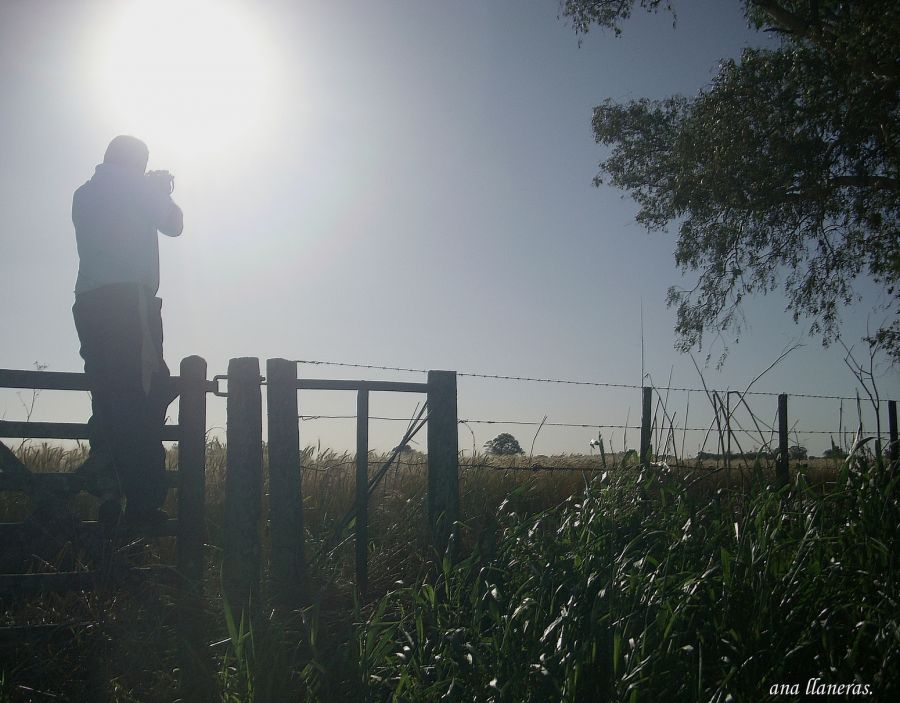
(163, 180)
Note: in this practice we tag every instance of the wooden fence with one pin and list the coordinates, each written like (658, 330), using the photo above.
(241, 568)
(242, 548)
(187, 574)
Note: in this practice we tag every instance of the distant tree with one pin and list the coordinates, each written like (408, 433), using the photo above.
(834, 453)
(797, 453)
(784, 172)
(503, 445)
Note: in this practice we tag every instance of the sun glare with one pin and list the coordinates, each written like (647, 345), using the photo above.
(195, 75)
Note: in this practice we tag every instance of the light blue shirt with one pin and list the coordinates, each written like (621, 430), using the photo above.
(116, 216)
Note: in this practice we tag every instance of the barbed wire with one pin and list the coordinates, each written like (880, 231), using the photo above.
(563, 381)
(742, 462)
(416, 465)
(352, 417)
(582, 425)
(587, 425)
(358, 366)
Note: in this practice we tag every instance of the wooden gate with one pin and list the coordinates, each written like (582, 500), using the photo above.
(242, 559)
(186, 574)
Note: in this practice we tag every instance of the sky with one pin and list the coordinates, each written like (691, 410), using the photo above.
(393, 183)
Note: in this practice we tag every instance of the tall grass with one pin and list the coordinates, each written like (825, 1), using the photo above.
(628, 585)
(640, 590)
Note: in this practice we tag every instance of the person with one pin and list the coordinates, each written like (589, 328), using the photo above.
(117, 215)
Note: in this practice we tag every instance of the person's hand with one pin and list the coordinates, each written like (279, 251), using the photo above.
(163, 180)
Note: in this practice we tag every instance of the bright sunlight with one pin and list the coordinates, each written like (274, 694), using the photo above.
(195, 75)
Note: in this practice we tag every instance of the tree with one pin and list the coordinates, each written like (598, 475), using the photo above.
(834, 453)
(503, 445)
(797, 452)
(784, 172)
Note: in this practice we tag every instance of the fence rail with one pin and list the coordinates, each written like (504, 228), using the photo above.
(26, 585)
(71, 381)
(59, 482)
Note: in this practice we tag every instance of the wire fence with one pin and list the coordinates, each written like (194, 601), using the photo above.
(734, 424)
(732, 416)
(581, 425)
(563, 381)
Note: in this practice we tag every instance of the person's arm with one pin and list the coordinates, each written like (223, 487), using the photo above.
(172, 223)
(165, 215)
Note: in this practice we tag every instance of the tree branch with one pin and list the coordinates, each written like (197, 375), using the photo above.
(789, 21)
(882, 182)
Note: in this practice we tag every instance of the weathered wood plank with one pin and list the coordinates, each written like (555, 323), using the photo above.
(321, 384)
(195, 669)
(287, 559)
(241, 560)
(43, 380)
(25, 585)
(192, 469)
(62, 430)
(57, 482)
(12, 532)
(443, 458)
(20, 635)
(57, 380)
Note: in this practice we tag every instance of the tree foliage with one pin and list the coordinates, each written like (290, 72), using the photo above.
(834, 452)
(503, 444)
(797, 452)
(783, 172)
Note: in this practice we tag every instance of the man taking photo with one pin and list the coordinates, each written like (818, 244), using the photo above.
(117, 215)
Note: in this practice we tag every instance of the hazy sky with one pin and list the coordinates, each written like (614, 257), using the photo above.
(393, 183)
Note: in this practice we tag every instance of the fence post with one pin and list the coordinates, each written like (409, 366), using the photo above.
(191, 469)
(728, 432)
(443, 458)
(646, 404)
(287, 564)
(894, 448)
(362, 489)
(782, 476)
(243, 487)
(196, 681)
